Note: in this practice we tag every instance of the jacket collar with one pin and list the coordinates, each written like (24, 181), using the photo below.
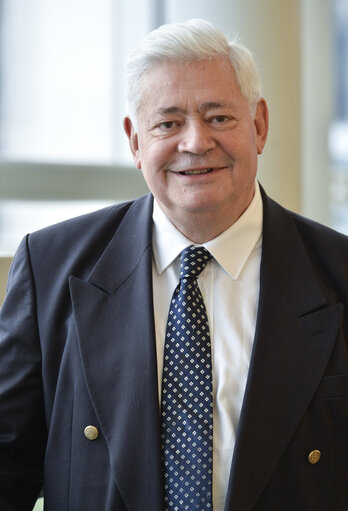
(131, 241)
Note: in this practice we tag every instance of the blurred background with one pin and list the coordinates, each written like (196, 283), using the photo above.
(62, 100)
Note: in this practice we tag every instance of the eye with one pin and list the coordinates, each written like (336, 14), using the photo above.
(166, 128)
(220, 119)
(166, 125)
(222, 122)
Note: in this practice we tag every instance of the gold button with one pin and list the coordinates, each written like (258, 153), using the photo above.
(314, 457)
(91, 432)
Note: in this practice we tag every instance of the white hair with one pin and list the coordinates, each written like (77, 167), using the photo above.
(193, 40)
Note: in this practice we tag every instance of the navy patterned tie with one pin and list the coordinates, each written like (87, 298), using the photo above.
(187, 403)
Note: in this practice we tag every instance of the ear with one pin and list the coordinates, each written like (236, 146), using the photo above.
(133, 140)
(261, 125)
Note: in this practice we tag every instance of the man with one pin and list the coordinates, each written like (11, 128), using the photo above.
(86, 400)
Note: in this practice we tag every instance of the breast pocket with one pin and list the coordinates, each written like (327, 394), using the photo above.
(333, 387)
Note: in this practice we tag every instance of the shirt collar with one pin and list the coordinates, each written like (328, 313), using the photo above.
(231, 249)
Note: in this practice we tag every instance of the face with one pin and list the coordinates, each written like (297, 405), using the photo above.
(197, 143)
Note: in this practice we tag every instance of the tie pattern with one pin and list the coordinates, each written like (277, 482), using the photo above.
(187, 403)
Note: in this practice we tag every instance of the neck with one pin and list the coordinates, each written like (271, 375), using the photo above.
(205, 223)
(202, 224)
(201, 228)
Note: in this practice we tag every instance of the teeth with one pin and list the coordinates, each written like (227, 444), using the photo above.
(194, 172)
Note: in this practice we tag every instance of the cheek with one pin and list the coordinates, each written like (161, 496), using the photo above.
(242, 148)
(155, 155)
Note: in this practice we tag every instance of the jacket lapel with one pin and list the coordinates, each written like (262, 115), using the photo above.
(114, 317)
(295, 334)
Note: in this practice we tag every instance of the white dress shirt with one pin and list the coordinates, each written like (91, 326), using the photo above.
(230, 288)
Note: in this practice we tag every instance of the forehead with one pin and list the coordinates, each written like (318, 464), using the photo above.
(189, 84)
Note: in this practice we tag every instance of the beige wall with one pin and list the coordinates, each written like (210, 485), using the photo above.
(4, 267)
(271, 29)
(291, 41)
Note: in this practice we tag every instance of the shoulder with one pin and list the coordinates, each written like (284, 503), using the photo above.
(323, 244)
(90, 225)
(317, 235)
(308, 229)
(79, 242)
(317, 231)
(326, 248)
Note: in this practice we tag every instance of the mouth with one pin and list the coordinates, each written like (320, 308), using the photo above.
(195, 172)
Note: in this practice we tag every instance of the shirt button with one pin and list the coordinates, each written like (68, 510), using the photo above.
(91, 432)
(314, 456)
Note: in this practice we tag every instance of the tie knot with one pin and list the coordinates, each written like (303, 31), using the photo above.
(193, 260)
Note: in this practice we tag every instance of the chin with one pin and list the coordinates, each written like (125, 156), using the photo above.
(201, 206)
(208, 201)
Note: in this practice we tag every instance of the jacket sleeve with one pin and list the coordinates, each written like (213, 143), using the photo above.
(22, 418)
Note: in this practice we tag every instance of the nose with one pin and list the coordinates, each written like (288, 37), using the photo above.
(196, 138)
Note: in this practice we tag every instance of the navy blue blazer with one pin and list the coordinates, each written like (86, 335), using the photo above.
(77, 348)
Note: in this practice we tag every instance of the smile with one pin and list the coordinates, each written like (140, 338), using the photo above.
(194, 172)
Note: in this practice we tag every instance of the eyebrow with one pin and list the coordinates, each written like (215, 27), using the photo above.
(203, 108)
(214, 104)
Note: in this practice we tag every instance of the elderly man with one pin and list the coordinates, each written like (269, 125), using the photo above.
(186, 350)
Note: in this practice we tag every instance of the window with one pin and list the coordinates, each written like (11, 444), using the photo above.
(57, 79)
(62, 101)
(338, 135)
